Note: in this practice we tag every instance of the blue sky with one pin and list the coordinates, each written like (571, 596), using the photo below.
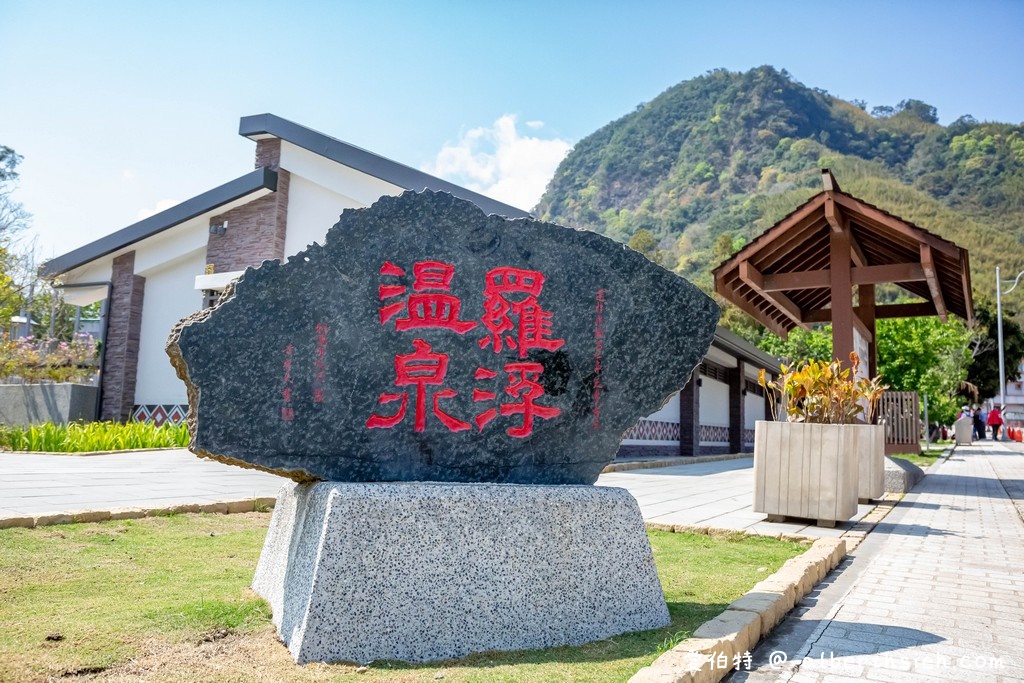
(122, 108)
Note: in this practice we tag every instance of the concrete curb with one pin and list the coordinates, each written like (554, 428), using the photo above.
(670, 462)
(221, 507)
(709, 655)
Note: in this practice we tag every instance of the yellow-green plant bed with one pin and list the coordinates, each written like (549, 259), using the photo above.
(87, 437)
(167, 599)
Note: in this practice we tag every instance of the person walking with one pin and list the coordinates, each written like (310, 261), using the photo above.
(995, 421)
(979, 423)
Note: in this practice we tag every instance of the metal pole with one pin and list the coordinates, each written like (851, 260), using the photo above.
(999, 326)
(927, 426)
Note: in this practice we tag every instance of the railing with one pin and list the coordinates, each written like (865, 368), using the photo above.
(901, 412)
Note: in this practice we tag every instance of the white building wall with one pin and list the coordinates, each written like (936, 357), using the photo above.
(669, 412)
(312, 211)
(753, 409)
(319, 190)
(169, 297)
(714, 402)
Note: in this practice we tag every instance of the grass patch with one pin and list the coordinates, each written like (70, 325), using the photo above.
(167, 599)
(926, 458)
(78, 437)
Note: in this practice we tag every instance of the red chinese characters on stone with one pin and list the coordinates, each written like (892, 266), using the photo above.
(320, 364)
(431, 304)
(287, 410)
(522, 384)
(418, 369)
(513, 292)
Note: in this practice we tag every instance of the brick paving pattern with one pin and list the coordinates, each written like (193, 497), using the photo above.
(942, 597)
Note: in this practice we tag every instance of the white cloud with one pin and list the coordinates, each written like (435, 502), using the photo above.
(161, 205)
(535, 124)
(128, 175)
(500, 163)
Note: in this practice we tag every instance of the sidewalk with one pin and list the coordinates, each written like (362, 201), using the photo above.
(933, 594)
(708, 494)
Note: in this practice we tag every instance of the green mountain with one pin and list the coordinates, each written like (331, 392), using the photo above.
(695, 173)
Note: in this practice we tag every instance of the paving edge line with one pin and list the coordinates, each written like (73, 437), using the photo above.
(220, 507)
(671, 462)
(708, 656)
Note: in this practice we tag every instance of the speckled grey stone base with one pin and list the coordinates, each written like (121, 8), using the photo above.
(422, 571)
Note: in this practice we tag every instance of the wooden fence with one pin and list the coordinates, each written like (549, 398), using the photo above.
(901, 412)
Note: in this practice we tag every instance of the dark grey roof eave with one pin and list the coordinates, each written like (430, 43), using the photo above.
(260, 179)
(739, 347)
(365, 161)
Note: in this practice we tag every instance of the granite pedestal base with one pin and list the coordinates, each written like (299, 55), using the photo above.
(422, 571)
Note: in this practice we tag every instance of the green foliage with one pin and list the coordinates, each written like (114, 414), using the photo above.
(92, 436)
(823, 392)
(814, 344)
(984, 371)
(732, 153)
(30, 361)
(927, 356)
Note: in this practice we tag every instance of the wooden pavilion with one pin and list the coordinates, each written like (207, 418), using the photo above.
(821, 264)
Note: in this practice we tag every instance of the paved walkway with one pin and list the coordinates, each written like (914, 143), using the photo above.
(34, 485)
(712, 494)
(935, 593)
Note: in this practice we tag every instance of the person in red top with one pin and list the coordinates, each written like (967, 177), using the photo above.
(995, 421)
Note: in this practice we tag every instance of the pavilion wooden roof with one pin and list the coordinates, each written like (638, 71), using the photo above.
(782, 278)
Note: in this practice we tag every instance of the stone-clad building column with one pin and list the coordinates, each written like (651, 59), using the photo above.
(121, 351)
(737, 407)
(689, 416)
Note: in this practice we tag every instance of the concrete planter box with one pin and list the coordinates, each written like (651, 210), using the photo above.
(26, 404)
(810, 471)
(871, 460)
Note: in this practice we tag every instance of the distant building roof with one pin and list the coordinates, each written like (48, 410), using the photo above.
(259, 127)
(263, 126)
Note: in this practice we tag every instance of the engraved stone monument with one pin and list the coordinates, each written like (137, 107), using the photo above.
(455, 382)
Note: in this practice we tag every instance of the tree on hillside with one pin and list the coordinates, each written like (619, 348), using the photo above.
(984, 371)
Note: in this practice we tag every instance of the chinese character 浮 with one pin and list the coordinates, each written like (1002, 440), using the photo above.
(432, 304)
(418, 369)
(522, 384)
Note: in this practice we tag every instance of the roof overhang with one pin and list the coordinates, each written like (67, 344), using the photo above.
(264, 126)
(782, 278)
(258, 182)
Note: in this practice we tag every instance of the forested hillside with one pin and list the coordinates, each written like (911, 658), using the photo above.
(695, 173)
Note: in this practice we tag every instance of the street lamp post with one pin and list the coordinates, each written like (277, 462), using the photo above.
(999, 327)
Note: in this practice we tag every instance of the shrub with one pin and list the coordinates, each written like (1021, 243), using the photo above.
(31, 361)
(816, 391)
(78, 437)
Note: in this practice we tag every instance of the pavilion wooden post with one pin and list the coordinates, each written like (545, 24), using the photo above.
(840, 268)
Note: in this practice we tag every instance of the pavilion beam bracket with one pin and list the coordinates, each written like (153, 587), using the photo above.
(928, 265)
(730, 293)
(755, 280)
(839, 223)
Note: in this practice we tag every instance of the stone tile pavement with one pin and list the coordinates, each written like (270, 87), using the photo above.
(935, 593)
(33, 485)
(709, 494)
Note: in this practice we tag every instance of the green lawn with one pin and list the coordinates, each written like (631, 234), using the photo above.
(167, 599)
(926, 458)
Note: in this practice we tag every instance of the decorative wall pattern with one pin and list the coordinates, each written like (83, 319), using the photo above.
(653, 430)
(748, 437)
(709, 433)
(160, 414)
